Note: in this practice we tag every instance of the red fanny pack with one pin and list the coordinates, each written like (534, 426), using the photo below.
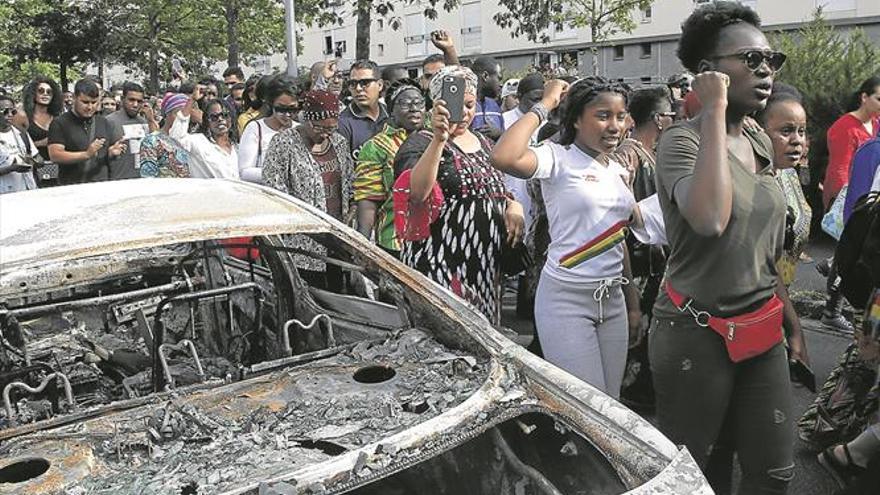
(745, 336)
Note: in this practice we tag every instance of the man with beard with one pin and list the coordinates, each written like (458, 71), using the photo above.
(133, 121)
(489, 120)
(78, 139)
(374, 175)
(366, 115)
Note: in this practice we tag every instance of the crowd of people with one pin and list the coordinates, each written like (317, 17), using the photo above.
(661, 224)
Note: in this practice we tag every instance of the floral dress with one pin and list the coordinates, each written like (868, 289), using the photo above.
(291, 168)
(797, 219)
(462, 251)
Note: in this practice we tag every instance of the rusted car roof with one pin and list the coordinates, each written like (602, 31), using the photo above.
(62, 223)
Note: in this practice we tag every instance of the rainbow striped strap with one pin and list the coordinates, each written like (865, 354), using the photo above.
(603, 242)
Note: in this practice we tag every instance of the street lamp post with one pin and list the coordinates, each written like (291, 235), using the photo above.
(290, 24)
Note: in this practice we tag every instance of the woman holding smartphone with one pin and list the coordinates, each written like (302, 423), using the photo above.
(456, 208)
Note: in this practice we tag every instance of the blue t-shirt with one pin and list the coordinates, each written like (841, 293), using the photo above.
(861, 174)
(490, 113)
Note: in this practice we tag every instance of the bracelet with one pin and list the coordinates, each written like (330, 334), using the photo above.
(540, 110)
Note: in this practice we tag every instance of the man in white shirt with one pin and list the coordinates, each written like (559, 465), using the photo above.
(17, 151)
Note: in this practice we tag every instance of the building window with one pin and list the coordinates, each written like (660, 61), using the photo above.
(618, 52)
(646, 50)
(340, 49)
(380, 50)
(836, 5)
(646, 80)
(472, 27)
(647, 15)
(328, 44)
(380, 25)
(416, 41)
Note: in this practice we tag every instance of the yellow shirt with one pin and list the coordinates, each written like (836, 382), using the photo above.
(246, 117)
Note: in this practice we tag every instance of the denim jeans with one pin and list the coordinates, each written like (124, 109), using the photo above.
(716, 407)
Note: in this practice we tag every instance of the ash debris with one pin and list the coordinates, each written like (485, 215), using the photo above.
(179, 446)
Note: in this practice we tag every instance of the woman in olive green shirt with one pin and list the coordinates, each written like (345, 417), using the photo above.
(725, 220)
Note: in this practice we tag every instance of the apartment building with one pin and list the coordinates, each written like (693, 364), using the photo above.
(645, 55)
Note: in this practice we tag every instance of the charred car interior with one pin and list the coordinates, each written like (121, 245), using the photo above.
(289, 363)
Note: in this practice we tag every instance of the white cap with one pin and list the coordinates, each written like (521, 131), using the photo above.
(509, 88)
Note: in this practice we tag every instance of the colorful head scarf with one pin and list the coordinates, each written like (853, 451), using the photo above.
(320, 105)
(173, 101)
(470, 80)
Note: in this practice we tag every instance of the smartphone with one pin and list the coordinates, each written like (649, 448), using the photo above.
(453, 95)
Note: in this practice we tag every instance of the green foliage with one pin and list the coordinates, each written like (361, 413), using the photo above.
(827, 66)
(535, 18)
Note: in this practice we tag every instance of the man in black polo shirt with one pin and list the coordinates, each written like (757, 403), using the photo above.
(81, 142)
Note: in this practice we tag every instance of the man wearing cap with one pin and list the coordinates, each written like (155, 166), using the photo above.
(509, 100)
(161, 155)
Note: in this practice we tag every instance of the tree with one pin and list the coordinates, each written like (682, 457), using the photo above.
(56, 32)
(604, 18)
(364, 10)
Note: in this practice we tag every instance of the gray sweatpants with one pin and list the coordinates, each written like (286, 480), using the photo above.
(575, 337)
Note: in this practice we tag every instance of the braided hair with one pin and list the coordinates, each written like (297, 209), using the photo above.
(581, 94)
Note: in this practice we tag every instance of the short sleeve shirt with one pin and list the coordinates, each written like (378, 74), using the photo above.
(735, 272)
(73, 132)
(588, 207)
(15, 143)
(134, 129)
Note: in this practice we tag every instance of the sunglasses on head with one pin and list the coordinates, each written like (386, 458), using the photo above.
(8, 111)
(217, 117)
(291, 110)
(363, 83)
(754, 59)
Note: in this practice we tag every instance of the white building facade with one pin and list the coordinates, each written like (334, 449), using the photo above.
(645, 55)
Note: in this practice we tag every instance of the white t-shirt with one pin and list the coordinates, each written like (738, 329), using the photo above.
(207, 160)
(515, 185)
(252, 150)
(12, 144)
(588, 206)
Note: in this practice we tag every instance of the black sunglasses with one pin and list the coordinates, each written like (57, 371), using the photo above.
(8, 111)
(754, 59)
(285, 110)
(363, 83)
(217, 117)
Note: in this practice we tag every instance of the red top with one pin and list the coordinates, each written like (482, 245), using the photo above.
(844, 138)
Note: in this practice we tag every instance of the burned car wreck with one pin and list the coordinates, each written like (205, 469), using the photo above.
(161, 337)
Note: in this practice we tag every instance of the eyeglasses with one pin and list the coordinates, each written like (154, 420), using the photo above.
(754, 59)
(8, 111)
(44, 90)
(327, 129)
(286, 110)
(415, 104)
(362, 83)
(217, 117)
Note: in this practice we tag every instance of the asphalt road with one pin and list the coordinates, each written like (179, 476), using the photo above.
(824, 348)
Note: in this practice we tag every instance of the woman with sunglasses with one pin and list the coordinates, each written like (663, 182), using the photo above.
(716, 345)
(212, 151)
(281, 95)
(311, 162)
(43, 101)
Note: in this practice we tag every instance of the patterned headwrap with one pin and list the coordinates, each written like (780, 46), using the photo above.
(320, 105)
(470, 80)
(173, 101)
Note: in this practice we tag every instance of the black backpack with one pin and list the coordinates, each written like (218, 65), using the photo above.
(858, 252)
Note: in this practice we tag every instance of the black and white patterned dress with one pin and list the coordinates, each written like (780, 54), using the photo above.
(463, 250)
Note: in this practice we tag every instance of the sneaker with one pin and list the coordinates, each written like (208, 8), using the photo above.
(837, 323)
